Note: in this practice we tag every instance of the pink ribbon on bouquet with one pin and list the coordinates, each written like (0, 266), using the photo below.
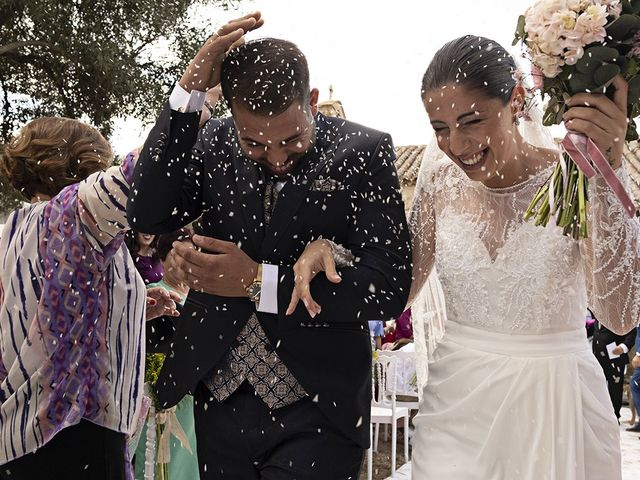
(591, 161)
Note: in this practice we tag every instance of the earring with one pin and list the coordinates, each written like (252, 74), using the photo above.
(517, 110)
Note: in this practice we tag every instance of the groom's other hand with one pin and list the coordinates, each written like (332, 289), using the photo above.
(203, 72)
(223, 270)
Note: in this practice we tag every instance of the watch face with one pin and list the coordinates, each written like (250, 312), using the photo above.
(254, 289)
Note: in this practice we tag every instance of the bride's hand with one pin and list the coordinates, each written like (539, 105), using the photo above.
(317, 257)
(602, 120)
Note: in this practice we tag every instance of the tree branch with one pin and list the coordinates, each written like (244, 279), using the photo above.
(11, 47)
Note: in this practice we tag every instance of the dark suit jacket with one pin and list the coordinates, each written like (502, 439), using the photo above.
(345, 189)
(602, 337)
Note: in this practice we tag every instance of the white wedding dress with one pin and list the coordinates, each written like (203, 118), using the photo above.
(514, 391)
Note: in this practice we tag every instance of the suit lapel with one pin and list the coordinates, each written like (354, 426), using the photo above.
(295, 190)
(249, 185)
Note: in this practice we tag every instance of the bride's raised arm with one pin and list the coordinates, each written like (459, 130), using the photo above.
(612, 258)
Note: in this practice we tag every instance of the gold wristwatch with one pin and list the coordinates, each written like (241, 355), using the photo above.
(255, 288)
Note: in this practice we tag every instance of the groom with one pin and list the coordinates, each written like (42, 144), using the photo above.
(276, 396)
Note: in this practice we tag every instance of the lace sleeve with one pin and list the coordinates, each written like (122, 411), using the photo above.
(341, 255)
(612, 259)
(426, 297)
(422, 223)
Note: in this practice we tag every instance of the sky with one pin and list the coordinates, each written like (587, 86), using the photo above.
(373, 52)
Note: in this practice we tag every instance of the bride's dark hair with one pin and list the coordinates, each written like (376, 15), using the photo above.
(476, 63)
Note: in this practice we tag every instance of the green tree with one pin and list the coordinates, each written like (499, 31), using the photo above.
(93, 59)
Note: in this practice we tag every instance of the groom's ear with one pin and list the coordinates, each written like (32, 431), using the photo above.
(313, 101)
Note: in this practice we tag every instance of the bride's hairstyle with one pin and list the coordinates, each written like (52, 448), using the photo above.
(476, 63)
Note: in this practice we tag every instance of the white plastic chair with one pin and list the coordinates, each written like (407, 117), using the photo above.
(404, 371)
(385, 410)
(406, 381)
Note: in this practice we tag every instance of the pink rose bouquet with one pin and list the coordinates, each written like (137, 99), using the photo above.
(580, 46)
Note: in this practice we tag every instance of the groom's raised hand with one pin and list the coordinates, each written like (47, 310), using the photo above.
(203, 72)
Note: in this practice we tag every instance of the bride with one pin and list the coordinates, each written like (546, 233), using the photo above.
(514, 391)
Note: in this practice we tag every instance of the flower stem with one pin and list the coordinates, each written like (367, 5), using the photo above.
(570, 200)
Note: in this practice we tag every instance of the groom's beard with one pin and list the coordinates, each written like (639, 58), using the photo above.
(296, 159)
(301, 159)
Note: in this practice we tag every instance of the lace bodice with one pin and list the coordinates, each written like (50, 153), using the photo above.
(501, 273)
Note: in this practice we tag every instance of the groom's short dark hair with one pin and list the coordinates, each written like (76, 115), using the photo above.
(266, 76)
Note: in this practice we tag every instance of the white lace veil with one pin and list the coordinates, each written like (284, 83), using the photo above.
(428, 310)
(428, 313)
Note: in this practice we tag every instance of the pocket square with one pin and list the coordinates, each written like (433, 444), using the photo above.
(326, 185)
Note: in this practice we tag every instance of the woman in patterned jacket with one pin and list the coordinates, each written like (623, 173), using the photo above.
(72, 308)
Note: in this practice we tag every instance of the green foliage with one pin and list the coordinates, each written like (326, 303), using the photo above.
(152, 367)
(624, 27)
(10, 199)
(631, 6)
(94, 60)
(520, 34)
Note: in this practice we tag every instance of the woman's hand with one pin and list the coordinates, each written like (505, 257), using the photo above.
(602, 120)
(161, 302)
(317, 257)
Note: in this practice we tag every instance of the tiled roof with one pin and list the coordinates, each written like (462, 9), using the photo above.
(409, 157)
(408, 163)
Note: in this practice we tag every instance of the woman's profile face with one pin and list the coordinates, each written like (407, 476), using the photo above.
(145, 239)
(475, 131)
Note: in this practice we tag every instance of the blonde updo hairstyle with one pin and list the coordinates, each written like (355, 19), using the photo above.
(50, 153)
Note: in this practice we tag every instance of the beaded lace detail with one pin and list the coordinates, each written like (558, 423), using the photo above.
(502, 273)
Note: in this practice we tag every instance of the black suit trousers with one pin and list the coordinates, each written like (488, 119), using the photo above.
(85, 451)
(614, 373)
(240, 439)
(613, 368)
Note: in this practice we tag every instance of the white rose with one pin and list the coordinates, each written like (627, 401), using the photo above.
(590, 24)
(564, 19)
(551, 41)
(572, 55)
(578, 5)
(550, 65)
(552, 5)
(614, 7)
(615, 11)
(533, 22)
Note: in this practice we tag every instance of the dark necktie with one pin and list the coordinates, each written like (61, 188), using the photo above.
(270, 199)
